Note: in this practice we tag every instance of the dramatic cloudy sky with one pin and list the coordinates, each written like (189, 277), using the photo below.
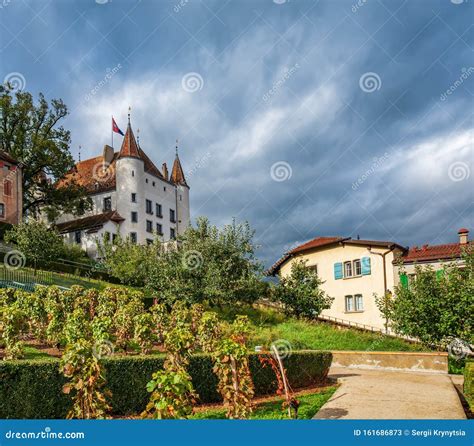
(304, 117)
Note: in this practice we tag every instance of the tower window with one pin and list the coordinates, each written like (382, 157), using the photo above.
(133, 173)
(146, 180)
(134, 197)
(172, 233)
(154, 184)
(149, 207)
(159, 229)
(149, 241)
(172, 216)
(78, 237)
(133, 237)
(149, 226)
(159, 210)
(107, 204)
(134, 217)
(164, 188)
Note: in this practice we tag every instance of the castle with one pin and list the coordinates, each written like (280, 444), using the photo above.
(130, 197)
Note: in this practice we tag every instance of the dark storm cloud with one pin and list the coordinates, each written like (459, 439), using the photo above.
(307, 119)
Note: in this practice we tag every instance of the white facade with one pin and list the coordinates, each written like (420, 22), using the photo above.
(148, 203)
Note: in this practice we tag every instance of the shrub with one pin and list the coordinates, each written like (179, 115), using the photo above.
(33, 388)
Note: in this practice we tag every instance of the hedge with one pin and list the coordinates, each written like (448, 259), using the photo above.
(469, 382)
(32, 388)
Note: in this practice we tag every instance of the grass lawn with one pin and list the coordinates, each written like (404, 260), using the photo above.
(310, 403)
(270, 325)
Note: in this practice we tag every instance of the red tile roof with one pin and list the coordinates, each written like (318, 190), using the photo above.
(432, 253)
(129, 145)
(316, 243)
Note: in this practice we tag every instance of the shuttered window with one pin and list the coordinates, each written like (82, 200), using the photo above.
(338, 270)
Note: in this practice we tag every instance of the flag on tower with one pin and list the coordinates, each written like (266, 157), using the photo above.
(115, 127)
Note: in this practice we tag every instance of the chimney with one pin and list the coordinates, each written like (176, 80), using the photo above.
(108, 154)
(463, 236)
(165, 171)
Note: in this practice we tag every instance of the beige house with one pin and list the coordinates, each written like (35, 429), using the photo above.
(352, 271)
(11, 201)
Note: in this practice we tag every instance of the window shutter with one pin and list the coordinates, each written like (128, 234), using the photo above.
(365, 265)
(404, 280)
(338, 270)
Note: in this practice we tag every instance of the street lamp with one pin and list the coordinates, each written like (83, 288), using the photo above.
(385, 291)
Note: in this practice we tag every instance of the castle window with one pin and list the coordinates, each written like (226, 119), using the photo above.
(172, 216)
(134, 217)
(7, 188)
(134, 197)
(107, 236)
(133, 173)
(172, 233)
(149, 226)
(180, 198)
(78, 237)
(107, 204)
(149, 241)
(2, 210)
(159, 229)
(159, 210)
(154, 184)
(133, 237)
(164, 188)
(149, 207)
(146, 180)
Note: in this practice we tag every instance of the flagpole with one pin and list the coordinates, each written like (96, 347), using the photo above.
(112, 125)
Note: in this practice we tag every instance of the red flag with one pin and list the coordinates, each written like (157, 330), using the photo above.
(115, 127)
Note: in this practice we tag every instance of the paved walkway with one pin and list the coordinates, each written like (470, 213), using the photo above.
(376, 394)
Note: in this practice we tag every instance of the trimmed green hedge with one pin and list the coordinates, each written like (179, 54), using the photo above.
(33, 388)
(469, 382)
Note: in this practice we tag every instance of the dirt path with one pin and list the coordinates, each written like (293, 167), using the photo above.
(375, 394)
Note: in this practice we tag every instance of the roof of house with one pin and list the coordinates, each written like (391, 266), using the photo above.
(96, 176)
(320, 242)
(432, 253)
(92, 223)
(4, 156)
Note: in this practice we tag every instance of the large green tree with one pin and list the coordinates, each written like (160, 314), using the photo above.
(31, 133)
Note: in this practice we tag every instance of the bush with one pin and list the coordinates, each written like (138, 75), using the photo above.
(469, 382)
(33, 388)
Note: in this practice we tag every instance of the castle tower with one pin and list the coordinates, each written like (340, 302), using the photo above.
(182, 194)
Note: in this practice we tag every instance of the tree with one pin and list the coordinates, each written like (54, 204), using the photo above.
(30, 133)
(436, 305)
(36, 241)
(301, 292)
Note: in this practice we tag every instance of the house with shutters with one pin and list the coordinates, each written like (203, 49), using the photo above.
(130, 197)
(435, 256)
(352, 271)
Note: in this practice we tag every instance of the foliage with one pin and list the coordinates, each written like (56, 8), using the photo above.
(30, 132)
(232, 368)
(13, 324)
(36, 240)
(80, 364)
(32, 388)
(300, 292)
(436, 306)
(469, 383)
(172, 395)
